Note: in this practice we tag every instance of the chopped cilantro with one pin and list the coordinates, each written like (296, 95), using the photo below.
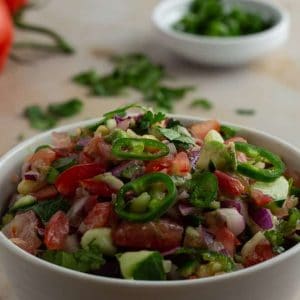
(147, 120)
(203, 103)
(177, 134)
(84, 260)
(245, 112)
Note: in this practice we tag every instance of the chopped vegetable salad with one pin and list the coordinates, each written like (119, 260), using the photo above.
(142, 196)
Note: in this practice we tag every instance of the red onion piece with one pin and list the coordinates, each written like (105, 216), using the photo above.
(31, 175)
(170, 252)
(232, 204)
(262, 217)
(211, 244)
(193, 156)
(83, 141)
(234, 220)
(185, 209)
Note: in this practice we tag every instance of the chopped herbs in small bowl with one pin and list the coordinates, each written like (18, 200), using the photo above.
(143, 203)
(217, 32)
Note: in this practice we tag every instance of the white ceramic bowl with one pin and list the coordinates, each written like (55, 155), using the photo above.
(221, 51)
(34, 279)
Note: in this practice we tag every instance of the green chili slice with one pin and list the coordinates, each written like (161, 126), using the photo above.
(155, 207)
(203, 189)
(139, 148)
(260, 154)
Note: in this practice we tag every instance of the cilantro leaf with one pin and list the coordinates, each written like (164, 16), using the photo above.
(177, 134)
(84, 260)
(38, 119)
(66, 109)
(203, 103)
(46, 209)
(228, 132)
(245, 112)
(147, 120)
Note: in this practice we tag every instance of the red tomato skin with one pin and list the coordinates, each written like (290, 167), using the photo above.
(227, 238)
(15, 5)
(56, 231)
(6, 33)
(69, 180)
(159, 235)
(96, 187)
(98, 217)
(260, 199)
(229, 185)
(159, 165)
(262, 252)
(200, 130)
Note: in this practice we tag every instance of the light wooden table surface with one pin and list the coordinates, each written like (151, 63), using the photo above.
(98, 28)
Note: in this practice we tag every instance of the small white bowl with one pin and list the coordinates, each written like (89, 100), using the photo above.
(221, 51)
(36, 279)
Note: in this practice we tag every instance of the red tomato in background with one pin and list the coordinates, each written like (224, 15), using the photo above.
(159, 165)
(98, 217)
(96, 187)
(227, 238)
(200, 130)
(43, 157)
(262, 252)
(56, 231)
(69, 180)
(6, 33)
(229, 185)
(15, 5)
(156, 235)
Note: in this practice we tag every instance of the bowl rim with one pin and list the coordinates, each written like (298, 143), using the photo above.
(282, 22)
(37, 262)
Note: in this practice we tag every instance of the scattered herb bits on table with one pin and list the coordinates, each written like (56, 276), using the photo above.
(142, 196)
(214, 18)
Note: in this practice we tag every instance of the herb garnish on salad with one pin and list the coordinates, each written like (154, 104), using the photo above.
(143, 196)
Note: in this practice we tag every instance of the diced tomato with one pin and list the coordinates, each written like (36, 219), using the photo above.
(260, 199)
(227, 238)
(262, 252)
(229, 185)
(41, 158)
(69, 180)
(98, 217)
(57, 231)
(159, 165)
(96, 187)
(156, 235)
(180, 164)
(46, 192)
(24, 227)
(90, 203)
(97, 150)
(200, 130)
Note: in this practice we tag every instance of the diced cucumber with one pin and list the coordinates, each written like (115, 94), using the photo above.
(188, 268)
(249, 247)
(140, 204)
(100, 237)
(142, 265)
(192, 238)
(278, 189)
(23, 202)
(114, 182)
(218, 154)
(213, 135)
